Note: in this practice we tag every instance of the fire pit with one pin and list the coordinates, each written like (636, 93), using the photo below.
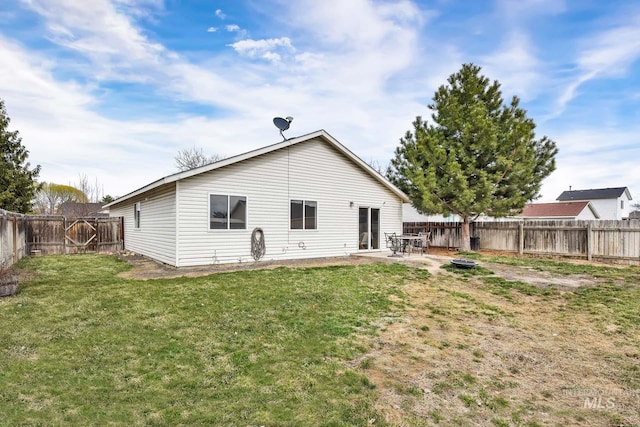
(463, 263)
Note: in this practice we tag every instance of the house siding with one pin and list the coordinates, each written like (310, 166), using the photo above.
(586, 214)
(312, 171)
(605, 201)
(156, 237)
(610, 208)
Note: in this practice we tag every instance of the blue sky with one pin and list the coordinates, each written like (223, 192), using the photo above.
(114, 88)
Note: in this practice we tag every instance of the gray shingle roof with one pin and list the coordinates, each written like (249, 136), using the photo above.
(592, 194)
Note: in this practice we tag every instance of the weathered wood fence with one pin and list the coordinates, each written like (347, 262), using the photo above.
(604, 240)
(12, 237)
(22, 235)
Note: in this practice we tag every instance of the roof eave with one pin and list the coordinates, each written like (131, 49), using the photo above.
(593, 210)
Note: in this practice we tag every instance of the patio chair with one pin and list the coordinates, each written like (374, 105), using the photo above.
(422, 242)
(387, 239)
(364, 240)
(392, 242)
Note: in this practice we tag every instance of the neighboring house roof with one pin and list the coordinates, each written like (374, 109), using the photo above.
(559, 210)
(634, 215)
(593, 194)
(321, 134)
(75, 209)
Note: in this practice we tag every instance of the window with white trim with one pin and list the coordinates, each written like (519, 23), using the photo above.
(227, 212)
(303, 215)
(136, 215)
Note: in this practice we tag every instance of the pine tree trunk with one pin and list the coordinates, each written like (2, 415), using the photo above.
(465, 245)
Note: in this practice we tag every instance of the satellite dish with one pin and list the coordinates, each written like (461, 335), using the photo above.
(282, 124)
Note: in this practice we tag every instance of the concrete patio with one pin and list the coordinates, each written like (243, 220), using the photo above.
(430, 261)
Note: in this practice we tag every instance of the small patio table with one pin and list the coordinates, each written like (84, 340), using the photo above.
(409, 241)
(399, 243)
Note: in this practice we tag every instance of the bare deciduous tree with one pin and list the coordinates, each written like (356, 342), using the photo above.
(94, 191)
(194, 157)
(377, 166)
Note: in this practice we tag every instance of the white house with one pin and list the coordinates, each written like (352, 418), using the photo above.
(610, 203)
(310, 197)
(560, 210)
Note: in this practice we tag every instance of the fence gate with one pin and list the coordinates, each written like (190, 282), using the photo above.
(81, 235)
(47, 235)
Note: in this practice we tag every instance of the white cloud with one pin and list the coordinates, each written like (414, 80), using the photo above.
(101, 34)
(608, 54)
(58, 127)
(220, 14)
(360, 69)
(356, 24)
(594, 157)
(362, 45)
(212, 30)
(516, 67)
(272, 57)
(233, 28)
(310, 61)
(263, 48)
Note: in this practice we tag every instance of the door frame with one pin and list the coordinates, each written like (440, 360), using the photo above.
(369, 230)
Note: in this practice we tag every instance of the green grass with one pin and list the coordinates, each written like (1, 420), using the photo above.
(612, 273)
(503, 287)
(610, 304)
(467, 272)
(81, 346)
(616, 301)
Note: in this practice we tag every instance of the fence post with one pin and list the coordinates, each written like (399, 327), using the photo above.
(15, 239)
(64, 235)
(521, 238)
(589, 242)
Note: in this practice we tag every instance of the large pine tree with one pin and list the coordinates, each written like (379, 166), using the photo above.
(18, 184)
(479, 155)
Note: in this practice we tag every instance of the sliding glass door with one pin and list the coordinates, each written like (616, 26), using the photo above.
(368, 228)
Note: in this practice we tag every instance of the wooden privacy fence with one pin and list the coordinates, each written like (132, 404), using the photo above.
(22, 235)
(48, 235)
(12, 237)
(443, 234)
(605, 240)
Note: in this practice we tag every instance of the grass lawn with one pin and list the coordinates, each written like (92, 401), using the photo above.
(354, 345)
(81, 346)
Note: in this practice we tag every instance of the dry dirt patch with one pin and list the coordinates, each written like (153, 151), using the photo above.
(461, 355)
(542, 279)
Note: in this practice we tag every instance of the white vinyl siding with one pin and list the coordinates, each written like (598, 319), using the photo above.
(314, 171)
(610, 208)
(156, 236)
(586, 214)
